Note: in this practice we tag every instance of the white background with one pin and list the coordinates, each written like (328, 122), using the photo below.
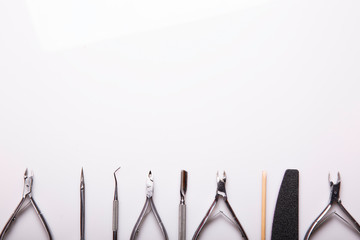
(243, 86)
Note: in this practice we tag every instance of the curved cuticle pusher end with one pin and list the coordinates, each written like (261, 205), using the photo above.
(116, 184)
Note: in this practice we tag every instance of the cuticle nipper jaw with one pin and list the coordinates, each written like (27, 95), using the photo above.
(220, 192)
(28, 181)
(324, 216)
(148, 207)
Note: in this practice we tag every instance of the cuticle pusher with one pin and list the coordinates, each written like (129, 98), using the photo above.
(115, 220)
(182, 205)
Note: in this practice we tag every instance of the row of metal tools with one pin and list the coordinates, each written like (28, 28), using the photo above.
(285, 225)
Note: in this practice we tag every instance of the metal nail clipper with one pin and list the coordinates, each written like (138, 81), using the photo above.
(325, 215)
(182, 206)
(220, 192)
(148, 207)
(28, 181)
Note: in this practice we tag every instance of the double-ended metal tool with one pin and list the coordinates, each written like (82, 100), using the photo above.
(220, 192)
(325, 214)
(115, 220)
(28, 181)
(82, 206)
(148, 207)
(182, 205)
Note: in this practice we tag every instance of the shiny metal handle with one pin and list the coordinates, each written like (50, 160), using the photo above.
(82, 215)
(42, 219)
(115, 221)
(317, 222)
(182, 222)
(11, 219)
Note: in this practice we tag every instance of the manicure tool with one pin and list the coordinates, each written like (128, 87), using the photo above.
(28, 181)
(182, 206)
(286, 216)
(263, 206)
(115, 219)
(220, 192)
(148, 207)
(324, 216)
(82, 206)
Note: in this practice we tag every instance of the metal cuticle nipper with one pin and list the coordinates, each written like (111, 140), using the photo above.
(148, 207)
(220, 192)
(325, 214)
(28, 181)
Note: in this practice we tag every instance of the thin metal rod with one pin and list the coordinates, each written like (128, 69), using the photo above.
(182, 206)
(82, 206)
(263, 206)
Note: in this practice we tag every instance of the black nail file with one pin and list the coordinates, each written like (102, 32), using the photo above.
(286, 218)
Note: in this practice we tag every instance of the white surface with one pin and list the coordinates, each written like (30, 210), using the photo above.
(272, 86)
(69, 23)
